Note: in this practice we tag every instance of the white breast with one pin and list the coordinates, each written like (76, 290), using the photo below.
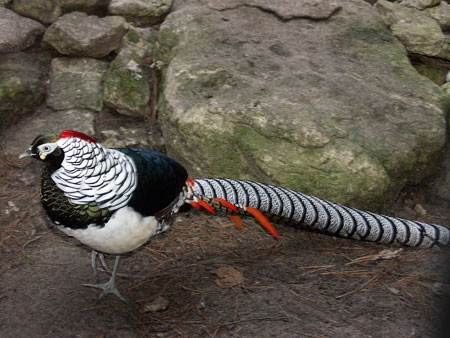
(125, 231)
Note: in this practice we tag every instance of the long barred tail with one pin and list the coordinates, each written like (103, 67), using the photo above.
(295, 208)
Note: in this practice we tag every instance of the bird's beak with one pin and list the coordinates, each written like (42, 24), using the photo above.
(26, 153)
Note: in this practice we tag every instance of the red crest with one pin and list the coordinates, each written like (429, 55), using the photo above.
(77, 134)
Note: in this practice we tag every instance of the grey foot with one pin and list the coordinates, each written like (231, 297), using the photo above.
(107, 289)
(110, 286)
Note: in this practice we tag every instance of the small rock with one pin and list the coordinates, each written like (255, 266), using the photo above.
(139, 41)
(128, 82)
(159, 304)
(78, 34)
(76, 83)
(141, 11)
(421, 4)
(13, 206)
(45, 11)
(127, 85)
(201, 305)
(441, 14)
(418, 32)
(22, 85)
(17, 33)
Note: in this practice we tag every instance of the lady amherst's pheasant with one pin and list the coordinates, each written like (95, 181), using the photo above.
(115, 200)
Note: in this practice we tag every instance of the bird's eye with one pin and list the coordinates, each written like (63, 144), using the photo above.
(47, 148)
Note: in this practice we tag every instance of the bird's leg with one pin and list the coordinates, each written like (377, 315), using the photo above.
(103, 262)
(94, 263)
(109, 287)
(94, 256)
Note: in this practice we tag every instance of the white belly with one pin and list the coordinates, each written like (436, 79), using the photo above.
(125, 231)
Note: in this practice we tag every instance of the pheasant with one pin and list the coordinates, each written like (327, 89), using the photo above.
(115, 200)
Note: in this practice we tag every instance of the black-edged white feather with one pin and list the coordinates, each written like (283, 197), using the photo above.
(298, 208)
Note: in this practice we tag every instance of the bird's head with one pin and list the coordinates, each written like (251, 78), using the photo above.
(46, 147)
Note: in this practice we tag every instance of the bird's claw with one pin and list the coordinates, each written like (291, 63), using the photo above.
(110, 286)
(107, 289)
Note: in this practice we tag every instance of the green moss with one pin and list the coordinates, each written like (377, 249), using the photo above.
(126, 89)
(45, 57)
(444, 101)
(132, 35)
(228, 163)
(133, 92)
(203, 140)
(338, 171)
(167, 40)
(207, 82)
(27, 93)
(433, 73)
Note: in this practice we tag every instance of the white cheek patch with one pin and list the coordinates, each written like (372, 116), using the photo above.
(46, 149)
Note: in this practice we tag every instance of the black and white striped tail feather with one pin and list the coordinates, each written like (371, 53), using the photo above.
(296, 208)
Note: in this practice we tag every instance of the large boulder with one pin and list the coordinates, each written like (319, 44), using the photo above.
(48, 11)
(76, 83)
(78, 34)
(22, 86)
(17, 33)
(251, 91)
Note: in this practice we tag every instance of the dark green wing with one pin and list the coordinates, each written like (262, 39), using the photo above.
(160, 180)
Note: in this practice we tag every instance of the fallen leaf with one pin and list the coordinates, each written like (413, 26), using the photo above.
(228, 277)
(160, 303)
(383, 254)
(388, 254)
(395, 291)
(420, 210)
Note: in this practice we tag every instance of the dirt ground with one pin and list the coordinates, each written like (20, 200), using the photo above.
(304, 285)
